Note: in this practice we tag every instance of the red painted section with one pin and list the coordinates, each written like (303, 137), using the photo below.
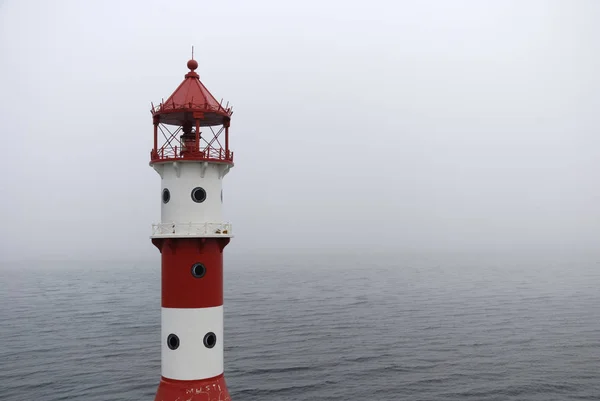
(213, 389)
(191, 99)
(190, 109)
(180, 289)
(211, 155)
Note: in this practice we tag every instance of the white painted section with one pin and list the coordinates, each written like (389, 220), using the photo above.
(180, 178)
(204, 230)
(192, 360)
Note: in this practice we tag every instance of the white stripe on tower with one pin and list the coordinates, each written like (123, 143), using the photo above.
(192, 359)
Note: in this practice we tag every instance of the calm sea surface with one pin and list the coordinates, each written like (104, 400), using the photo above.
(316, 327)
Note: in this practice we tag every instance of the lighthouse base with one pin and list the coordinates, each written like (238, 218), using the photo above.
(213, 389)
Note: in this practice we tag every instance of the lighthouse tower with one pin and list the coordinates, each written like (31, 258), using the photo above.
(191, 154)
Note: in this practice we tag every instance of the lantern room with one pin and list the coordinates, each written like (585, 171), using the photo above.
(191, 124)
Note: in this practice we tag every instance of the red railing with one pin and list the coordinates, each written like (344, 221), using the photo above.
(175, 153)
(166, 107)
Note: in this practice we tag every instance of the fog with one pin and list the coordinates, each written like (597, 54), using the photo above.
(392, 126)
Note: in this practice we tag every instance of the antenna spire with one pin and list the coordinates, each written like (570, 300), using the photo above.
(192, 52)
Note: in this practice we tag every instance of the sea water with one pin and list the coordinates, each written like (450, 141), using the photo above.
(316, 326)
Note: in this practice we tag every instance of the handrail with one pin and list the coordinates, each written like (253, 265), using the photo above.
(162, 107)
(192, 229)
(168, 153)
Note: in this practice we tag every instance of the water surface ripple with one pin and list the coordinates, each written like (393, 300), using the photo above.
(316, 328)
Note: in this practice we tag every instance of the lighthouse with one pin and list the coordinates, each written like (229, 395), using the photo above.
(191, 155)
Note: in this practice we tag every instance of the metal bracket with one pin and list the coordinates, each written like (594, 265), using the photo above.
(203, 167)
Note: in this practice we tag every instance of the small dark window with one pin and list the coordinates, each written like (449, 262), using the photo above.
(210, 340)
(166, 195)
(198, 270)
(221, 196)
(173, 341)
(198, 195)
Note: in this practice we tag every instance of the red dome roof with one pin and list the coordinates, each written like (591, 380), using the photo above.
(191, 100)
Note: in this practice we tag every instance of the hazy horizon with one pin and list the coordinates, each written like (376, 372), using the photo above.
(407, 126)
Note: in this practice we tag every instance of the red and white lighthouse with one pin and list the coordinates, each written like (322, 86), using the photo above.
(191, 154)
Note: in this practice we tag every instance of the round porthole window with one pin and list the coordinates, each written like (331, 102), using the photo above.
(166, 195)
(198, 195)
(210, 340)
(198, 270)
(172, 341)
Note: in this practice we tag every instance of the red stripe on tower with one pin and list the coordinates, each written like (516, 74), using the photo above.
(191, 237)
(200, 259)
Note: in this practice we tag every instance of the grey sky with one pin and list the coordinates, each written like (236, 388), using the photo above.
(409, 125)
